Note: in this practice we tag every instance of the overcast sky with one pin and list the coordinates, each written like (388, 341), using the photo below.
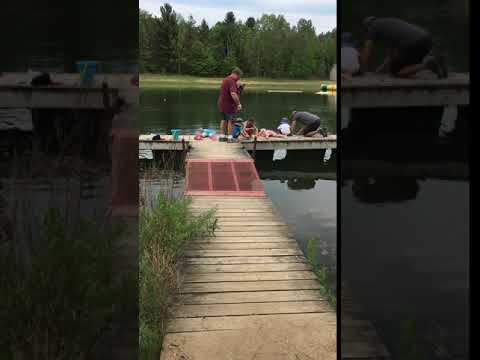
(323, 13)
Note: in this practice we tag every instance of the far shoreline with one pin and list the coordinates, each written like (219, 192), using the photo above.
(159, 81)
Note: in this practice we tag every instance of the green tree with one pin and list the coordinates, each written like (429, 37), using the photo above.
(228, 64)
(202, 60)
(146, 29)
(268, 46)
(165, 40)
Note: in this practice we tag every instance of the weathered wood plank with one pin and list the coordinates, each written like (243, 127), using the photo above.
(245, 260)
(240, 222)
(233, 212)
(244, 239)
(196, 269)
(241, 253)
(383, 91)
(245, 217)
(242, 245)
(249, 276)
(245, 322)
(253, 296)
(286, 338)
(362, 349)
(264, 308)
(250, 286)
(251, 232)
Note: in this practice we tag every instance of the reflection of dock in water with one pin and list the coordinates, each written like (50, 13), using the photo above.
(359, 338)
(421, 169)
(289, 175)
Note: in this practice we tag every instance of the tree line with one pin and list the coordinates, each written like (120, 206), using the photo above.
(264, 47)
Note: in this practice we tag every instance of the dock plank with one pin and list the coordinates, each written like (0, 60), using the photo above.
(245, 268)
(244, 239)
(260, 337)
(245, 260)
(243, 245)
(241, 252)
(246, 322)
(253, 308)
(384, 91)
(250, 286)
(250, 276)
(250, 296)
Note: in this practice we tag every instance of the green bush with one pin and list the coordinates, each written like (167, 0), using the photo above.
(165, 229)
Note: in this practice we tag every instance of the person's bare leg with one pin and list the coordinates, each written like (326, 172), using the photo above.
(301, 132)
(410, 70)
(312, 133)
(222, 127)
(230, 127)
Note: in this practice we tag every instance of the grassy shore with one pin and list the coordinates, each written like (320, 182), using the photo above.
(322, 273)
(167, 225)
(196, 82)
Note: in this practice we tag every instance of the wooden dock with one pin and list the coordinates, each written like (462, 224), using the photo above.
(359, 338)
(248, 292)
(384, 91)
(16, 91)
(290, 143)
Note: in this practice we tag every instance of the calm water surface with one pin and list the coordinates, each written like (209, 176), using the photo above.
(165, 109)
(405, 233)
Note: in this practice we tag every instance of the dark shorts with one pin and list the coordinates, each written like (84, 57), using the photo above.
(312, 127)
(227, 117)
(411, 54)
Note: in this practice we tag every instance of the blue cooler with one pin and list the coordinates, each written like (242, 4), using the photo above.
(87, 70)
(237, 128)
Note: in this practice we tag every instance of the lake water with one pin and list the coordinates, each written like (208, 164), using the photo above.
(165, 109)
(405, 229)
(302, 186)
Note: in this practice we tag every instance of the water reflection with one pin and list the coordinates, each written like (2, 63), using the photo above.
(303, 189)
(381, 190)
(404, 219)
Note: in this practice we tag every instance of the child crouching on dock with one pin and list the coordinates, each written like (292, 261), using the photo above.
(248, 129)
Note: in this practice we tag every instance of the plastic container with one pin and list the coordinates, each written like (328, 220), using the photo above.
(208, 132)
(237, 128)
(176, 134)
(87, 70)
(328, 87)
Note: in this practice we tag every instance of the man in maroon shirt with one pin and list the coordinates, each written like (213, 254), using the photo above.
(229, 100)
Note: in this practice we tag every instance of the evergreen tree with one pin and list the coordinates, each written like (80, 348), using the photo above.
(267, 47)
(165, 40)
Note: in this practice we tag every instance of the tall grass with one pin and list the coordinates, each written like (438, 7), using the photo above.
(59, 290)
(166, 225)
(323, 274)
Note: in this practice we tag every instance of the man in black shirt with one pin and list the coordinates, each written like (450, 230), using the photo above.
(408, 47)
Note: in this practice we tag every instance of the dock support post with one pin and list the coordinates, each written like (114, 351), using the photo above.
(254, 146)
